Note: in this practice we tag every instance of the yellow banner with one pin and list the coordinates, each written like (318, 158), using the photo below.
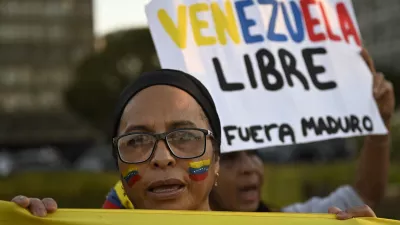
(14, 215)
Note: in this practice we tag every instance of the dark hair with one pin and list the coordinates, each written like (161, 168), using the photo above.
(177, 79)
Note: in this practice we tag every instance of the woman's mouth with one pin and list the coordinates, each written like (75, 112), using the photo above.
(249, 193)
(166, 189)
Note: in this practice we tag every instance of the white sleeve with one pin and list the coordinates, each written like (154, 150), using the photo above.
(344, 197)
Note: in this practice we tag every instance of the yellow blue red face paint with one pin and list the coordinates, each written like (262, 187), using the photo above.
(131, 176)
(198, 171)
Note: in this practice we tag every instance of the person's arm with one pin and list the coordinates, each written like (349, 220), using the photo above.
(373, 169)
(374, 161)
(345, 197)
(372, 173)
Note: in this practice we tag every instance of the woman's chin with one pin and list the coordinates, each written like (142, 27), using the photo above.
(249, 207)
(175, 204)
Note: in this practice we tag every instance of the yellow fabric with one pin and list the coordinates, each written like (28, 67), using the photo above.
(122, 196)
(14, 215)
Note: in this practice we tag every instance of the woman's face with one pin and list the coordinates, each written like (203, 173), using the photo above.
(240, 182)
(165, 181)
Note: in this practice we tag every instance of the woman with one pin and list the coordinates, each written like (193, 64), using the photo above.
(166, 144)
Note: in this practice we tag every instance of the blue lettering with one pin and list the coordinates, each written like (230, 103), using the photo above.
(271, 30)
(247, 23)
(299, 35)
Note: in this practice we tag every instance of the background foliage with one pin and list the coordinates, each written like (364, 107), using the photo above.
(283, 185)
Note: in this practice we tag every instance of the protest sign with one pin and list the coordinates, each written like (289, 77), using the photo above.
(280, 72)
(10, 213)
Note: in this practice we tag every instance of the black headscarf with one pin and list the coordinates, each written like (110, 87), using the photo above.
(177, 79)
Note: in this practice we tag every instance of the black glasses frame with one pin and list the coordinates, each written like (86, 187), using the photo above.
(162, 136)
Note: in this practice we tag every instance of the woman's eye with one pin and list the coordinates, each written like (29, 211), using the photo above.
(138, 140)
(190, 137)
(186, 137)
(132, 142)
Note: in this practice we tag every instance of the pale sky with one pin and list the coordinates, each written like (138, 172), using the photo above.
(111, 15)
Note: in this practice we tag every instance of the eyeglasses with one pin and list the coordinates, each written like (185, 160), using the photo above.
(138, 147)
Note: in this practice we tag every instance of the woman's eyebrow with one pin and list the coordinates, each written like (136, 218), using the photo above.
(133, 128)
(182, 124)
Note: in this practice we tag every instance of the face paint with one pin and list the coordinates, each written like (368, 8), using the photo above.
(131, 176)
(198, 171)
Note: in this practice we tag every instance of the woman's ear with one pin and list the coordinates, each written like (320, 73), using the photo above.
(216, 167)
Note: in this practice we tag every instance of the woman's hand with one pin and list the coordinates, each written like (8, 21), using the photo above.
(36, 206)
(362, 211)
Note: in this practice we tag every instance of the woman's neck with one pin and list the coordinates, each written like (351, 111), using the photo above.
(204, 207)
(214, 206)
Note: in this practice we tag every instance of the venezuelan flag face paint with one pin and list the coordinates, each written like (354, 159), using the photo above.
(131, 176)
(198, 171)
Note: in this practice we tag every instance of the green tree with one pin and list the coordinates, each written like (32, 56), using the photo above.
(102, 75)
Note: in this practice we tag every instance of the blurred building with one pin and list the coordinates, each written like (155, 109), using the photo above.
(379, 23)
(40, 43)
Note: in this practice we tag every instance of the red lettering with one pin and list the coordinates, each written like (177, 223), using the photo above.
(331, 35)
(346, 24)
(311, 22)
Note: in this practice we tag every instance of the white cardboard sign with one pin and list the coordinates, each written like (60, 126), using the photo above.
(280, 72)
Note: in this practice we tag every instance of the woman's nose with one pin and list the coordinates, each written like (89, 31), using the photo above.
(162, 157)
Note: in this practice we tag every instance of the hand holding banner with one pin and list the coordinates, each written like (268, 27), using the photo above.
(11, 214)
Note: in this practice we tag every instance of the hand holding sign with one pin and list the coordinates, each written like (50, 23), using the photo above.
(382, 90)
(384, 96)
